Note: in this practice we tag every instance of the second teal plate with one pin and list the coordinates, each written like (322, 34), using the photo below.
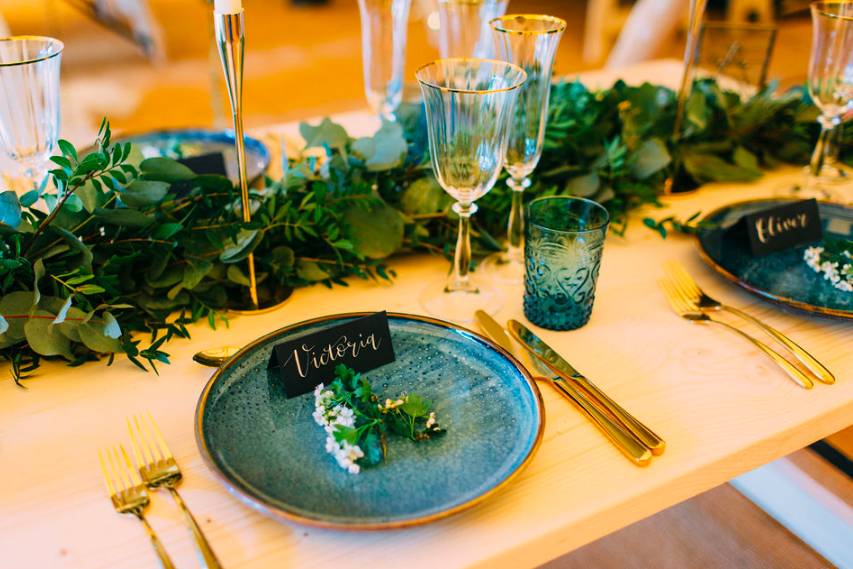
(268, 450)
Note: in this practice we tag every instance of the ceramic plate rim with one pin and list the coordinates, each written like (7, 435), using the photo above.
(266, 156)
(282, 514)
(728, 275)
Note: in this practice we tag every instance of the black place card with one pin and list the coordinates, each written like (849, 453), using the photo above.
(362, 344)
(782, 227)
(211, 163)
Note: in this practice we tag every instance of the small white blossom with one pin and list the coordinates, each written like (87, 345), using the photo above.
(841, 278)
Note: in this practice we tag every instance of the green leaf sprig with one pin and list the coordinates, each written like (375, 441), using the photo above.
(357, 423)
(123, 253)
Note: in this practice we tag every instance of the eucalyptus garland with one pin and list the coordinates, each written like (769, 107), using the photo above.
(122, 247)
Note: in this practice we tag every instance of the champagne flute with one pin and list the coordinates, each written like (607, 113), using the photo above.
(468, 105)
(830, 79)
(383, 47)
(530, 41)
(29, 105)
(464, 27)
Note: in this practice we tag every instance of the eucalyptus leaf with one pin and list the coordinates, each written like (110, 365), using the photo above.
(44, 339)
(10, 209)
(15, 307)
(310, 271)
(247, 240)
(376, 232)
(124, 217)
(165, 170)
(144, 193)
(583, 186)
(383, 151)
(650, 157)
(326, 133)
(94, 336)
(424, 196)
(235, 275)
(4, 325)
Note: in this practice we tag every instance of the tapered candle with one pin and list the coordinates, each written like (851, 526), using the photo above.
(228, 6)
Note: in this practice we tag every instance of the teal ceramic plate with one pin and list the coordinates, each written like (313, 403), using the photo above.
(782, 276)
(269, 452)
(190, 142)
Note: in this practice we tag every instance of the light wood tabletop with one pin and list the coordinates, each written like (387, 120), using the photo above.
(721, 405)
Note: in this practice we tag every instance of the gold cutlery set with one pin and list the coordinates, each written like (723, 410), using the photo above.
(155, 467)
(634, 439)
(691, 303)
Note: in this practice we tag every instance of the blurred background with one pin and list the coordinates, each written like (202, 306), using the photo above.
(149, 63)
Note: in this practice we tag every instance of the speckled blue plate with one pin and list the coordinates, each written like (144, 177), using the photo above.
(190, 142)
(782, 276)
(268, 450)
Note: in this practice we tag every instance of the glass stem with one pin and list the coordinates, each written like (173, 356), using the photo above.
(824, 141)
(515, 227)
(459, 280)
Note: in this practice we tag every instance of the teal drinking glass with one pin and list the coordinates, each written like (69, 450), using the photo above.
(562, 253)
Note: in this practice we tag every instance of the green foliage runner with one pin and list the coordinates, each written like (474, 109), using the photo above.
(126, 245)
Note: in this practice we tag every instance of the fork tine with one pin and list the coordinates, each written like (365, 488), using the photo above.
(130, 470)
(160, 440)
(686, 280)
(148, 448)
(686, 302)
(107, 478)
(122, 483)
(682, 289)
(668, 293)
(135, 446)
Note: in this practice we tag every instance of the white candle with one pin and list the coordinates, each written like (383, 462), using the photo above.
(228, 6)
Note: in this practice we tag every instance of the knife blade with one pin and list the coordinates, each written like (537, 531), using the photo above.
(623, 439)
(564, 369)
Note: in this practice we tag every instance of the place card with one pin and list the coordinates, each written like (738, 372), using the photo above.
(211, 163)
(782, 227)
(362, 344)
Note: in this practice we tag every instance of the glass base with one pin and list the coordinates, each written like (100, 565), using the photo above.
(459, 306)
(499, 267)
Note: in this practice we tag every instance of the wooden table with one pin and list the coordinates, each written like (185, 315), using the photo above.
(722, 406)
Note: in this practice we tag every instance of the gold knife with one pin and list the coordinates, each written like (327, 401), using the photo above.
(564, 369)
(623, 439)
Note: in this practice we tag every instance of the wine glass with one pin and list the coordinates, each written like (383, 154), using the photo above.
(530, 41)
(383, 47)
(464, 27)
(29, 104)
(468, 106)
(830, 79)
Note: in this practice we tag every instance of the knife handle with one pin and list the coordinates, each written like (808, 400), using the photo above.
(642, 432)
(626, 442)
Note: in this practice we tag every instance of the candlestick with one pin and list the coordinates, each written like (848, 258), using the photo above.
(694, 25)
(230, 33)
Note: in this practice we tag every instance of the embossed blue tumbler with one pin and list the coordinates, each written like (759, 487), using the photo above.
(564, 238)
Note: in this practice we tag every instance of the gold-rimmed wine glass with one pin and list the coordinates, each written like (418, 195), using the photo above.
(464, 27)
(529, 41)
(29, 105)
(383, 47)
(468, 104)
(830, 79)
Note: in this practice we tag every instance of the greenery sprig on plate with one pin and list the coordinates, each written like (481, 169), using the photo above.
(357, 422)
(124, 245)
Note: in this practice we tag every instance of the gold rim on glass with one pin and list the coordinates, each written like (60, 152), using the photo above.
(55, 45)
(728, 275)
(825, 9)
(500, 24)
(479, 60)
(259, 505)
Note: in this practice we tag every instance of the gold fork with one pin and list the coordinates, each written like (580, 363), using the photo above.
(128, 494)
(688, 286)
(687, 310)
(160, 470)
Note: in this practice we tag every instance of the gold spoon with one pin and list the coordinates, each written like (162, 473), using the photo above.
(215, 357)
